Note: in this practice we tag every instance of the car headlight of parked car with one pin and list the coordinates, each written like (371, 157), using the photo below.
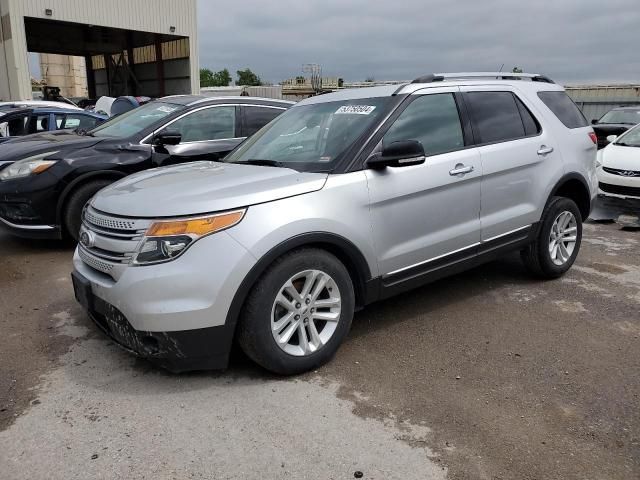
(28, 166)
(168, 239)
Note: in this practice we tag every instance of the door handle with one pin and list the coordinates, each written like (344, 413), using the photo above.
(544, 150)
(460, 169)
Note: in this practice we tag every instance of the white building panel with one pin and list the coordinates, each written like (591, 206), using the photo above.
(155, 16)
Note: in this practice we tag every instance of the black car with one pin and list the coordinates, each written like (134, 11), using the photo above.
(615, 122)
(46, 178)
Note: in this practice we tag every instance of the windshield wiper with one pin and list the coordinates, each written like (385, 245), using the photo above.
(262, 162)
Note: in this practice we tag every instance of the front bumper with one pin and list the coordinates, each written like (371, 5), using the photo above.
(28, 207)
(51, 232)
(175, 313)
(198, 349)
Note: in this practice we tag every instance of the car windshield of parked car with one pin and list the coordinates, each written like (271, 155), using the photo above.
(630, 139)
(312, 137)
(631, 117)
(136, 120)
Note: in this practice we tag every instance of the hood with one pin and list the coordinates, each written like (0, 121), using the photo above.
(202, 187)
(622, 158)
(29, 145)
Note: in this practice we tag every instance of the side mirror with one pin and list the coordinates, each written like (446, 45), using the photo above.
(594, 121)
(167, 137)
(612, 138)
(398, 154)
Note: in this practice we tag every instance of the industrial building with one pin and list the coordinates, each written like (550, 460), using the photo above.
(596, 100)
(130, 47)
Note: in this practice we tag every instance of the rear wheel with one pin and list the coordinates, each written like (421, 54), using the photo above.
(298, 312)
(558, 242)
(72, 213)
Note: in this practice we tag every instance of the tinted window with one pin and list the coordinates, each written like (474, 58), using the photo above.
(59, 120)
(39, 123)
(257, 117)
(531, 125)
(496, 116)
(432, 120)
(213, 123)
(17, 125)
(564, 108)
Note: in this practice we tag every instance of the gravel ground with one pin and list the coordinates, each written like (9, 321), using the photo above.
(486, 375)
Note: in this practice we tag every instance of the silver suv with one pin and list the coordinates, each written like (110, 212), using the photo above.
(345, 199)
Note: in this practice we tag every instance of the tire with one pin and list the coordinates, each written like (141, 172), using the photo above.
(72, 211)
(261, 313)
(539, 256)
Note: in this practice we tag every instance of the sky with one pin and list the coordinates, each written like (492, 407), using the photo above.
(571, 41)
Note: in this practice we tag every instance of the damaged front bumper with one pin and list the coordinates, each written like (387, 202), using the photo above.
(176, 351)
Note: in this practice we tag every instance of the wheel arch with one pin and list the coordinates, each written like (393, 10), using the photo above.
(352, 258)
(575, 187)
(78, 182)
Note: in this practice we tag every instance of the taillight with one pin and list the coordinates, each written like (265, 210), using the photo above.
(593, 137)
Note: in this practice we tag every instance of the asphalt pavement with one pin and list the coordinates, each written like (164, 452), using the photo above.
(486, 375)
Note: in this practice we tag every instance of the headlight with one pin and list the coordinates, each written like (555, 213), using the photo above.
(166, 240)
(27, 166)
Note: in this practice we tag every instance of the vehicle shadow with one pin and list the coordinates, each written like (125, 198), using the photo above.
(12, 245)
(128, 374)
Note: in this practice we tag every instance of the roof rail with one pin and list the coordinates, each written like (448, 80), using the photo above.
(440, 77)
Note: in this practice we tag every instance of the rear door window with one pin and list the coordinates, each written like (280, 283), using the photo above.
(257, 117)
(213, 123)
(432, 120)
(531, 125)
(496, 116)
(563, 107)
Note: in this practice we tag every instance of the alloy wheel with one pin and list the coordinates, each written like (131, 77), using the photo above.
(306, 312)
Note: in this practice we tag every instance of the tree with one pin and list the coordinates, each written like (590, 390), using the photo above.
(369, 79)
(247, 77)
(516, 70)
(206, 77)
(217, 79)
(222, 78)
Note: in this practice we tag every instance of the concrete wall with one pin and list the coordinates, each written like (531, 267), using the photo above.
(64, 71)
(155, 16)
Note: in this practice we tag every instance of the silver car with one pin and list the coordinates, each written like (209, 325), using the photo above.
(345, 199)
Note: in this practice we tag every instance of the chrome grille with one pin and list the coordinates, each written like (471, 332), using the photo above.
(93, 262)
(111, 241)
(622, 173)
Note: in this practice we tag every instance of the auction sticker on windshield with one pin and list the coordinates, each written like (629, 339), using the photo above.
(356, 109)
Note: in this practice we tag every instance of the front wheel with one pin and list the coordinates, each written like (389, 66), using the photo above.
(72, 213)
(298, 312)
(558, 241)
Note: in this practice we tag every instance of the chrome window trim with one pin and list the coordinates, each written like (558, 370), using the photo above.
(144, 140)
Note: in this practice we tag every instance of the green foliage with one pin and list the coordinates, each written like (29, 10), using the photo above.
(516, 70)
(217, 79)
(247, 77)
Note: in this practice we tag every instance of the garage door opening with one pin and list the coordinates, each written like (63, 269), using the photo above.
(116, 61)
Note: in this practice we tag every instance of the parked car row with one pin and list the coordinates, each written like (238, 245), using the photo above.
(329, 205)
(46, 179)
(615, 122)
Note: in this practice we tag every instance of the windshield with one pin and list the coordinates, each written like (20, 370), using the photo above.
(631, 117)
(312, 137)
(631, 138)
(136, 120)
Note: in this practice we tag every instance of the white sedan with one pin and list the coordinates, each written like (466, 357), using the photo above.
(618, 167)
